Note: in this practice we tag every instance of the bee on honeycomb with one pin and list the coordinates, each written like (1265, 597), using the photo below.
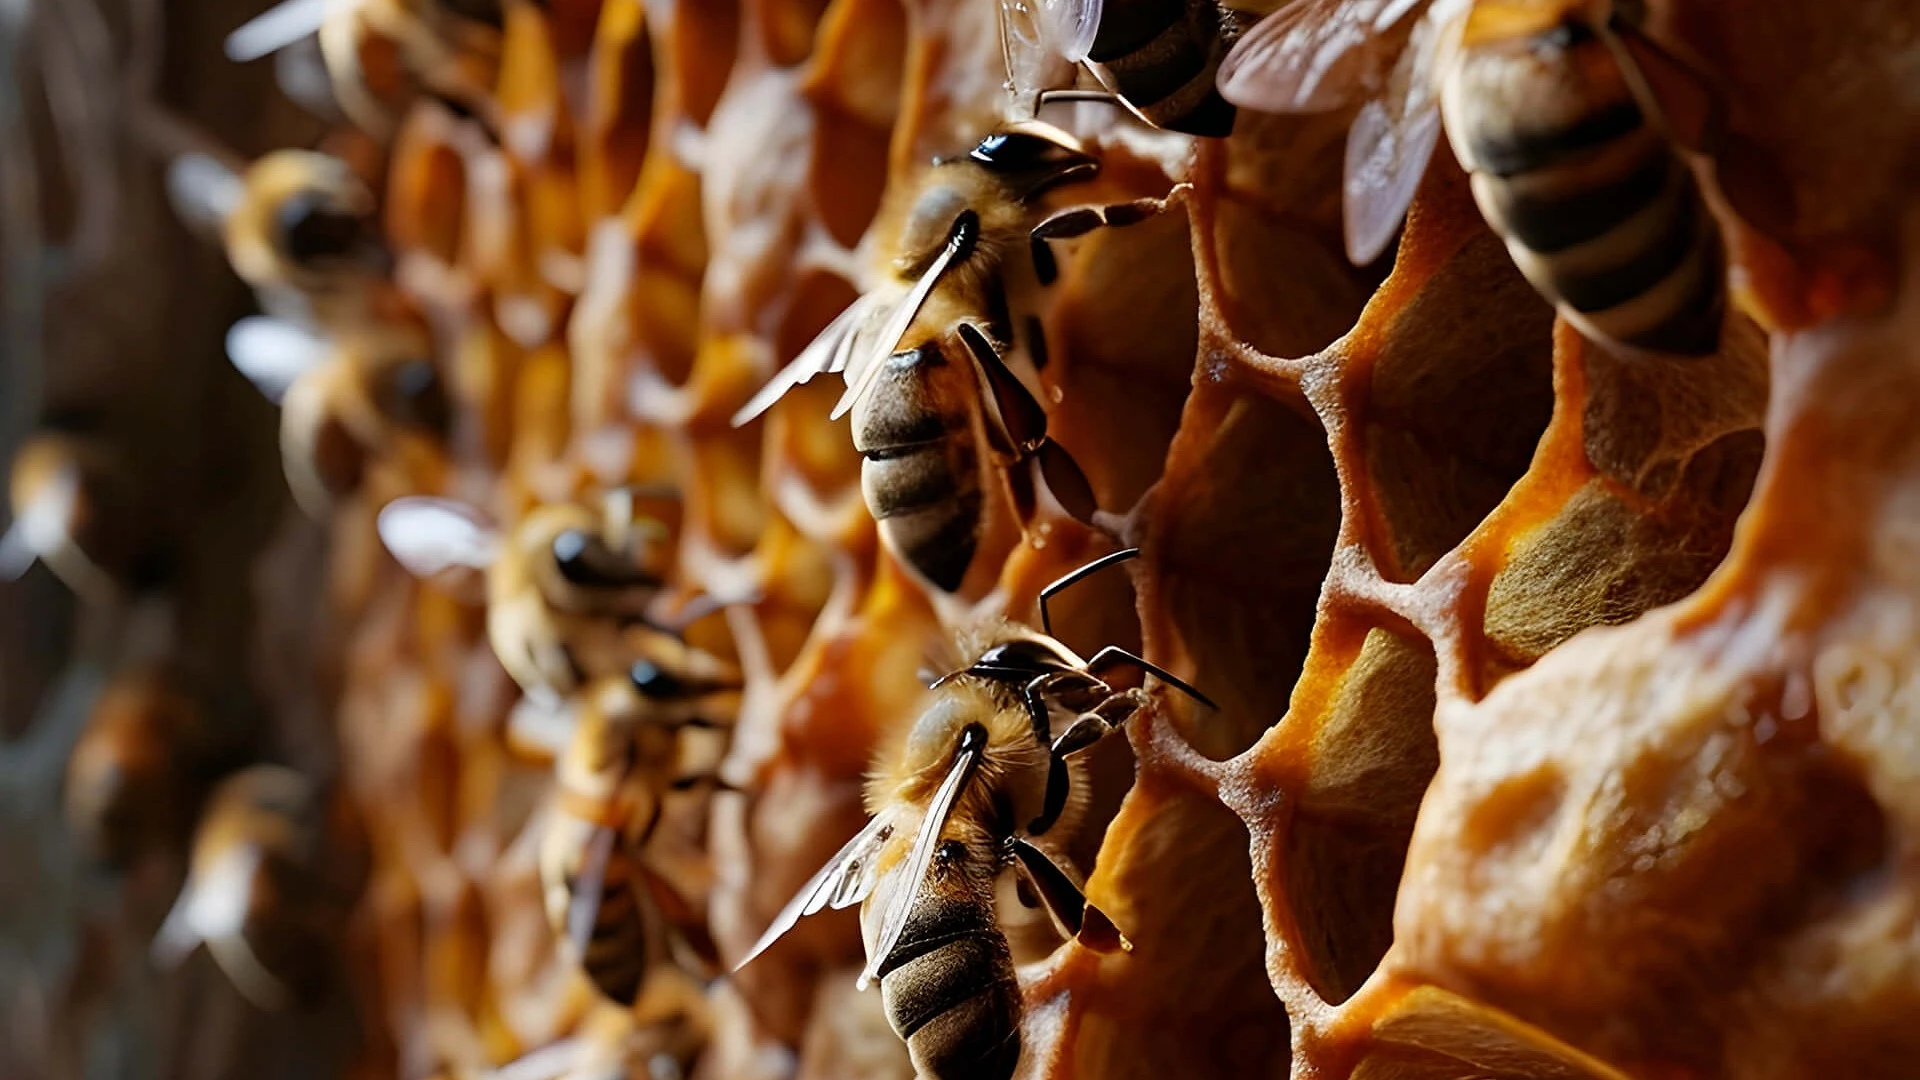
(1521, 520)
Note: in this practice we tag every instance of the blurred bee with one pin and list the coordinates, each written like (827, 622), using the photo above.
(1157, 58)
(380, 54)
(300, 228)
(619, 914)
(983, 782)
(136, 775)
(1566, 114)
(573, 593)
(935, 407)
(345, 405)
(78, 508)
(255, 893)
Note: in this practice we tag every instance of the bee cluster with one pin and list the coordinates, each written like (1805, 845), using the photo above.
(1265, 648)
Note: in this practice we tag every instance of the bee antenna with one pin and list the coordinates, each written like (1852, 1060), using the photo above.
(1073, 578)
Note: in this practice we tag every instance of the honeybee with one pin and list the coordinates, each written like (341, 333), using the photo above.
(1157, 58)
(299, 227)
(255, 892)
(344, 404)
(1569, 119)
(935, 407)
(619, 914)
(380, 54)
(982, 782)
(574, 593)
(137, 773)
(78, 508)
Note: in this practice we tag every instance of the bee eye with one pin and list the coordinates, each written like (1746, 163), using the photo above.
(928, 226)
(311, 230)
(584, 559)
(414, 395)
(655, 683)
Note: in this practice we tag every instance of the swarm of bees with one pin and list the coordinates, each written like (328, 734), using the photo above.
(1184, 334)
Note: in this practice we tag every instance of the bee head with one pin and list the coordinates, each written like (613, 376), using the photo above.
(411, 393)
(655, 683)
(315, 228)
(930, 224)
(1032, 157)
(584, 559)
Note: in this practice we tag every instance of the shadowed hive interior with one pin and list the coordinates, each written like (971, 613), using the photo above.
(1523, 760)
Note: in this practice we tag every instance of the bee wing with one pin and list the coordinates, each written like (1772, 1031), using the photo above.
(272, 353)
(1315, 55)
(828, 353)
(41, 525)
(16, 552)
(846, 879)
(1071, 25)
(211, 906)
(203, 191)
(866, 366)
(276, 28)
(1037, 52)
(588, 887)
(1387, 154)
(428, 535)
(925, 842)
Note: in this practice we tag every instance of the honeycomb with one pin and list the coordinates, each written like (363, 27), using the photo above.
(1560, 728)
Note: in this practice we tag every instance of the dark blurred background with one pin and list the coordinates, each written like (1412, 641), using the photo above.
(112, 317)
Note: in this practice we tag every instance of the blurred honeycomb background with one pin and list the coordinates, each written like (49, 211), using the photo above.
(1562, 725)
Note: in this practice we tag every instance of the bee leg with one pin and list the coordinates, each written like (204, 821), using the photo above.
(1115, 656)
(1020, 422)
(1035, 697)
(1082, 733)
(1063, 477)
(1081, 220)
(1046, 268)
(704, 605)
(1065, 900)
(1103, 97)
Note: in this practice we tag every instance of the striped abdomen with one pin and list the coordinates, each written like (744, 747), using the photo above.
(921, 477)
(1599, 211)
(621, 945)
(949, 986)
(623, 935)
(1161, 57)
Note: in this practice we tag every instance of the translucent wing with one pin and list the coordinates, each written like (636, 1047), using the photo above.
(1389, 145)
(1071, 25)
(874, 352)
(1036, 58)
(925, 842)
(588, 887)
(1316, 55)
(203, 190)
(212, 905)
(1385, 162)
(428, 535)
(276, 28)
(827, 353)
(846, 879)
(41, 525)
(272, 353)
(16, 553)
